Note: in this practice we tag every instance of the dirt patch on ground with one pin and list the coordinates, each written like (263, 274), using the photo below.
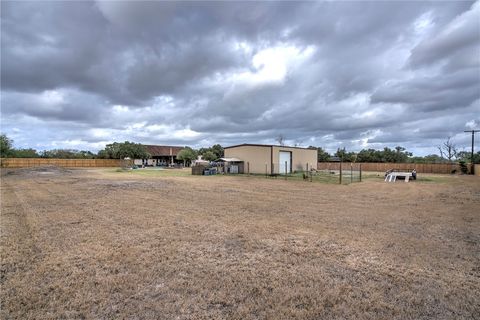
(97, 244)
(37, 171)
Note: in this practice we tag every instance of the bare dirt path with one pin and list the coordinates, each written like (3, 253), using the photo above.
(100, 244)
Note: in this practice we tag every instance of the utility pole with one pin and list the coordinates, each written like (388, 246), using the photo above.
(473, 141)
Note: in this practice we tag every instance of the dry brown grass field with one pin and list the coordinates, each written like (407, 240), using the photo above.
(100, 244)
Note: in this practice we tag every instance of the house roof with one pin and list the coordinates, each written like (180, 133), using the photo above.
(264, 145)
(156, 151)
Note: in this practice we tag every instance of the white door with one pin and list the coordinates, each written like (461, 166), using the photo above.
(284, 157)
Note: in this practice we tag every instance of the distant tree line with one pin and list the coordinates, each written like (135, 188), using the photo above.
(121, 150)
(8, 151)
(396, 155)
(116, 150)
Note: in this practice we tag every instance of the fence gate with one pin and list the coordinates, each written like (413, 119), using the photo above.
(349, 172)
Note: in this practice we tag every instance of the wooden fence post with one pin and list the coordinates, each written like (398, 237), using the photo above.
(340, 172)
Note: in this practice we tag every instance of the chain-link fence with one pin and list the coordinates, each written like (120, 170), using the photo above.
(342, 173)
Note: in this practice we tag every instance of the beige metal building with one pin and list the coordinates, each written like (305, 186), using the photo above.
(272, 159)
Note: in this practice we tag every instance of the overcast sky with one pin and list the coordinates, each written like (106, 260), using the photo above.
(332, 74)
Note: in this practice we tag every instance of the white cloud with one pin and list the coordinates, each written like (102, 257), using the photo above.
(51, 97)
(472, 124)
(185, 134)
(271, 65)
(120, 109)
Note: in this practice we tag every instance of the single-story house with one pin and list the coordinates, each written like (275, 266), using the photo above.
(272, 159)
(160, 156)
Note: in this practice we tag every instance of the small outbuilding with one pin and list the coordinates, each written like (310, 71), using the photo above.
(272, 159)
(230, 165)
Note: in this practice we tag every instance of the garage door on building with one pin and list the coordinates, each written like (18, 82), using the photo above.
(284, 156)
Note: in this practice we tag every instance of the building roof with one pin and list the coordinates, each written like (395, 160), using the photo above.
(264, 145)
(201, 161)
(156, 151)
(230, 160)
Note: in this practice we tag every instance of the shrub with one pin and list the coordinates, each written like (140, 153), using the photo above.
(463, 167)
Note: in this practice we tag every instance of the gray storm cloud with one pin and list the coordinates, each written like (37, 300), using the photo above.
(82, 74)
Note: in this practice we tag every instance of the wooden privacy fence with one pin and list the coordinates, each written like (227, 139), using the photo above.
(382, 167)
(69, 163)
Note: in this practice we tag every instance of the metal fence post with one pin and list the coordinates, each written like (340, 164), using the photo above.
(351, 172)
(360, 172)
(285, 170)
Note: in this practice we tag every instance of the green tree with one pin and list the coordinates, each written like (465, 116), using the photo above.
(217, 150)
(431, 158)
(121, 150)
(345, 156)
(85, 154)
(25, 153)
(466, 156)
(401, 155)
(67, 154)
(370, 155)
(210, 156)
(103, 154)
(463, 166)
(202, 151)
(322, 155)
(388, 155)
(63, 154)
(396, 156)
(111, 151)
(6, 147)
(187, 155)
